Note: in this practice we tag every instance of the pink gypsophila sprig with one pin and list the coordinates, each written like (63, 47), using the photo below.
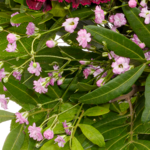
(17, 75)
(21, 118)
(99, 15)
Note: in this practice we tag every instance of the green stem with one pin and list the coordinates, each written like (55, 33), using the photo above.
(52, 56)
(24, 47)
(32, 46)
(51, 30)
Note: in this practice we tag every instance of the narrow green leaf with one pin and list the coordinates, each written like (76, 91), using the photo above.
(137, 23)
(114, 88)
(96, 111)
(116, 42)
(5, 115)
(146, 112)
(14, 139)
(76, 144)
(92, 134)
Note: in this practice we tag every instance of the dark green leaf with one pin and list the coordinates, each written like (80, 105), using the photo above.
(113, 88)
(85, 87)
(5, 115)
(116, 42)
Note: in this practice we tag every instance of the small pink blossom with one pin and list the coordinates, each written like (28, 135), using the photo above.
(11, 47)
(111, 19)
(99, 15)
(31, 29)
(60, 81)
(40, 85)
(22, 117)
(11, 38)
(97, 72)
(121, 65)
(48, 134)
(83, 62)
(100, 82)
(52, 81)
(51, 43)
(137, 41)
(119, 19)
(34, 68)
(60, 141)
(145, 13)
(2, 74)
(15, 24)
(17, 75)
(147, 55)
(3, 101)
(35, 132)
(112, 55)
(70, 24)
(114, 28)
(87, 72)
(83, 38)
(4, 88)
(68, 132)
(143, 3)
(132, 3)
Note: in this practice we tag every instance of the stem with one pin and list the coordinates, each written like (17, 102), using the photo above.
(32, 46)
(58, 99)
(24, 47)
(27, 79)
(52, 56)
(51, 30)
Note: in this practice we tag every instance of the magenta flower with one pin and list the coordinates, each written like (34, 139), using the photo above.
(100, 82)
(119, 19)
(22, 117)
(35, 132)
(121, 65)
(2, 74)
(40, 85)
(99, 15)
(15, 24)
(11, 47)
(17, 75)
(70, 24)
(60, 141)
(51, 43)
(11, 38)
(48, 134)
(31, 29)
(86, 72)
(68, 132)
(132, 3)
(34, 68)
(83, 38)
(145, 13)
(37, 4)
(3, 101)
(4, 88)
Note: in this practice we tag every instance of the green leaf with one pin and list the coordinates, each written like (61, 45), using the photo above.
(25, 17)
(137, 23)
(96, 111)
(85, 87)
(46, 17)
(92, 134)
(76, 144)
(23, 95)
(116, 42)
(14, 139)
(113, 88)
(5, 115)
(146, 112)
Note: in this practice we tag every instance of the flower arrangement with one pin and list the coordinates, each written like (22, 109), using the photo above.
(92, 94)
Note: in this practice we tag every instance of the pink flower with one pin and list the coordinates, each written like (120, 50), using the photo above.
(137, 41)
(145, 14)
(17, 75)
(2, 74)
(22, 117)
(111, 19)
(4, 88)
(99, 15)
(119, 19)
(147, 55)
(121, 65)
(31, 29)
(83, 38)
(68, 132)
(40, 85)
(86, 72)
(15, 24)
(35, 132)
(34, 68)
(112, 55)
(60, 141)
(83, 62)
(97, 72)
(52, 81)
(48, 134)
(143, 3)
(11, 38)
(11, 47)
(60, 81)
(3, 101)
(70, 24)
(100, 82)
(132, 3)
(51, 43)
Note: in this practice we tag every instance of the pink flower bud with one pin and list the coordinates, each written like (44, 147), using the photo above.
(11, 38)
(51, 43)
(142, 45)
(60, 81)
(132, 3)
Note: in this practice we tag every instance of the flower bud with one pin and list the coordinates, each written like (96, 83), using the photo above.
(5, 80)
(34, 65)
(104, 54)
(1, 28)
(1, 64)
(37, 145)
(60, 81)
